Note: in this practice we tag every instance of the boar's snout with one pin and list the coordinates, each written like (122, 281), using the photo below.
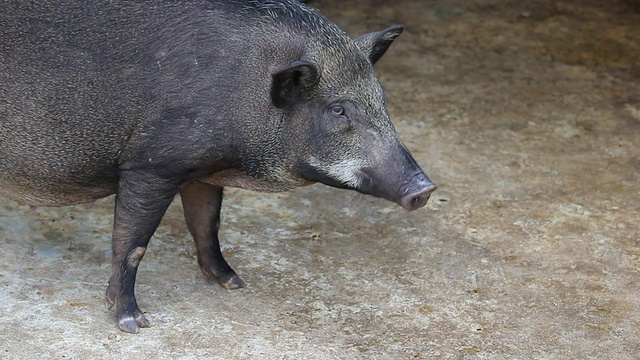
(417, 192)
(411, 194)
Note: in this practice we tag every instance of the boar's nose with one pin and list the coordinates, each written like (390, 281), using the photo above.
(418, 195)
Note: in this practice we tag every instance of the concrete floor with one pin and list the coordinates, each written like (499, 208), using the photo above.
(527, 114)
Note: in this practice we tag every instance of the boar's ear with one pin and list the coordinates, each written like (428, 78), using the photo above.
(376, 44)
(289, 85)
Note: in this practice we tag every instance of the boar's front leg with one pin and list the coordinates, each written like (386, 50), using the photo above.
(201, 203)
(141, 201)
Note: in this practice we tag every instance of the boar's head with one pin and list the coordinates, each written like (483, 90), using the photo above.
(344, 137)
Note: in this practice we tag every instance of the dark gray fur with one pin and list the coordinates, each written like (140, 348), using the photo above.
(147, 99)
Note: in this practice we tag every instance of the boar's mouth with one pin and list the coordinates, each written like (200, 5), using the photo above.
(412, 193)
(311, 173)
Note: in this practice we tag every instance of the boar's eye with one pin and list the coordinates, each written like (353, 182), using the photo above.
(337, 110)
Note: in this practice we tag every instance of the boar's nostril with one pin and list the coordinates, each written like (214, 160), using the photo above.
(416, 201)
(418, 198)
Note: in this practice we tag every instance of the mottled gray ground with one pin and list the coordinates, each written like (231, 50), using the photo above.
(527, 114)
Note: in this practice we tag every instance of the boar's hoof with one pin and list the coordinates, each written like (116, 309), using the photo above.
(130, 317)
(231, 282)
(132, 324)
(224, 275)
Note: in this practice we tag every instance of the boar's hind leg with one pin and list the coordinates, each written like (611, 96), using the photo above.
(201, 203)
(141, 201)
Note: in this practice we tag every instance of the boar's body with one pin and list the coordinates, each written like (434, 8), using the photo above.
(172, 87)
(147, 99)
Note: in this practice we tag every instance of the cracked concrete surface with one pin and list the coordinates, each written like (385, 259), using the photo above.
(526, 114)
